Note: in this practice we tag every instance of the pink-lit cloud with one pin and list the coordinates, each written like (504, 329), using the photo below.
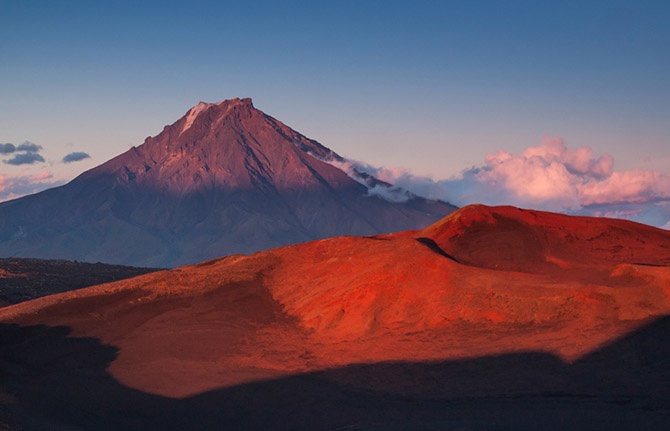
(556, 177)
(12, 187)
(550, 176)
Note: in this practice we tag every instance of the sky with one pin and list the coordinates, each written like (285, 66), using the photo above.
(519, 102)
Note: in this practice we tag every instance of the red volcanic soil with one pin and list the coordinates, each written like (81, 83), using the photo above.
(493, 318)
(509, 238)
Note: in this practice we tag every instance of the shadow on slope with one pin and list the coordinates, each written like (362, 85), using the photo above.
(164, 229)
(53, 381)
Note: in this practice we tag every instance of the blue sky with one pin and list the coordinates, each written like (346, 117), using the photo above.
(430, 86)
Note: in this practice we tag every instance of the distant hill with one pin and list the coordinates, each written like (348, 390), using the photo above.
(24, 279)
(225, 178)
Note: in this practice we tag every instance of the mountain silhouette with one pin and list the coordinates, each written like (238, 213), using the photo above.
(225, 178)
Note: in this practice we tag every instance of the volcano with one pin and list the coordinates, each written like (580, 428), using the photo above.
(225, 178)
(492, 318)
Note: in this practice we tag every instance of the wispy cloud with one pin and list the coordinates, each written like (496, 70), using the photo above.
(75, 157)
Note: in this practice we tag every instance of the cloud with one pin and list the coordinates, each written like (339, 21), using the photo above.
(557, 178)
(12, 187)
(550, 177)
(25, 159)
(75, 157)
(7, 148)
(26, 153)
(633, 186)
(29, 147)
(359, 172)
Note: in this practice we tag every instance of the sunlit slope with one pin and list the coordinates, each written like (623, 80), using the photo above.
(483, 281)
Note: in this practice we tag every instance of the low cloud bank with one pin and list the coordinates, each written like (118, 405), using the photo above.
(549, 177)
(12, 187)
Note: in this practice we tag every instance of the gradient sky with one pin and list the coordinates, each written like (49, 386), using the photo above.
(430, 86)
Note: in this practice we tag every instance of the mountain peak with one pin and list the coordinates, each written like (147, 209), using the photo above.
(224, 106)
(231, 103)
(225, 178)
(245, 101)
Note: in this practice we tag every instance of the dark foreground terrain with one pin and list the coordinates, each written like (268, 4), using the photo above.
(25, 279)
(58, 382)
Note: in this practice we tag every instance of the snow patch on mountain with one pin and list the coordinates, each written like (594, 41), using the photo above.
(193, 114)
